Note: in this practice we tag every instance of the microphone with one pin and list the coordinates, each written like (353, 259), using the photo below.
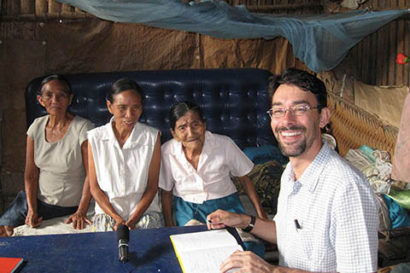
(123, 236)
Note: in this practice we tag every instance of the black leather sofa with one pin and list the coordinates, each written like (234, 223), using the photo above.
(234, 101)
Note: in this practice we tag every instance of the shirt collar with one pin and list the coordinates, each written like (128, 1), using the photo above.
(209, 143)
(310, 176)
(109, 134)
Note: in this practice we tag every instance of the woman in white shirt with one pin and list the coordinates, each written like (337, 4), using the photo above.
(196, 170)
(124, 160)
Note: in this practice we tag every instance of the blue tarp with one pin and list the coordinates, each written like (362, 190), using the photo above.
(320, 41)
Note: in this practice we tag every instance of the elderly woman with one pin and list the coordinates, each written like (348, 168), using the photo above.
(55, 177)
(197, 167)
(124, 159)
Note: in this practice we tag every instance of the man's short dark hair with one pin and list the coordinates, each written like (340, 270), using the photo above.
(303, 80)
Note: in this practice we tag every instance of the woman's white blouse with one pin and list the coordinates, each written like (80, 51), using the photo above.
(122, 173)
(220, 159)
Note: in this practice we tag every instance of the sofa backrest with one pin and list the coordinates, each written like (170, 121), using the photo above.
(234, 101)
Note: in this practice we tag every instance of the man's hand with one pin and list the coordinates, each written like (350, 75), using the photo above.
(79, 220)
(220, 219)
(32, 219)
(246, 261)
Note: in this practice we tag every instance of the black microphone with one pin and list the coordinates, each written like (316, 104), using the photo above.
(123, 236)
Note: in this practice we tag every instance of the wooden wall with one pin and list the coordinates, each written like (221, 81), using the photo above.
(51, 8)
(371, 61)
(38, 9)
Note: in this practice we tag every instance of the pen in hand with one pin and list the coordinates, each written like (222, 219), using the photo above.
(209, 223)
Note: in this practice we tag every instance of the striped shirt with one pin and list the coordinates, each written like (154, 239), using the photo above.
(327, 220)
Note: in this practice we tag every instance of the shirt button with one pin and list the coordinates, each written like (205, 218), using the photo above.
(296, 187)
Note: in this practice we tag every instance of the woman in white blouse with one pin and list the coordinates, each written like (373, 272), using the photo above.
(124, 160)
(196, 170)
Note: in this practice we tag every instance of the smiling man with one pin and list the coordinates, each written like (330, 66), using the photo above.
(327, 217)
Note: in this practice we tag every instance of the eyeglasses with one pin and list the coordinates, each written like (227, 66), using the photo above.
(297, 110)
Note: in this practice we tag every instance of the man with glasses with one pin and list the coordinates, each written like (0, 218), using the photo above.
(327, 217)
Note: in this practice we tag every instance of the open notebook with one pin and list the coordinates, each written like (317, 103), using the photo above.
(204, 252)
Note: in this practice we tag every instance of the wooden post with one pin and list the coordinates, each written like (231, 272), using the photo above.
(79, 11)
(392, 53)
(12, 8)
(54, 8)
(27, 7)
(66, 9)
(400, 49)
(41, 7)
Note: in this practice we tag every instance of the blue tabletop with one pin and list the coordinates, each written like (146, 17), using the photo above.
(151, 250)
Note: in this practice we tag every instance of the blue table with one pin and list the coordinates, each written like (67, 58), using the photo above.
(151, 250)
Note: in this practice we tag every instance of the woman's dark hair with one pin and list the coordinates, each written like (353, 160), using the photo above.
(179, 110)
(304, 81)
(122, 85)
(59, 78)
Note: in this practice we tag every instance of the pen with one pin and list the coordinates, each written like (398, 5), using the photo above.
(209, 223)
(297, 225)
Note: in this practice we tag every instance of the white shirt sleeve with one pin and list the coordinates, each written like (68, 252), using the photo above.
(166, 181)
(355, 229)
(238, 162)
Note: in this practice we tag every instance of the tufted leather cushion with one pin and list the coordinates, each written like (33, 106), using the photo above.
(234, 101)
